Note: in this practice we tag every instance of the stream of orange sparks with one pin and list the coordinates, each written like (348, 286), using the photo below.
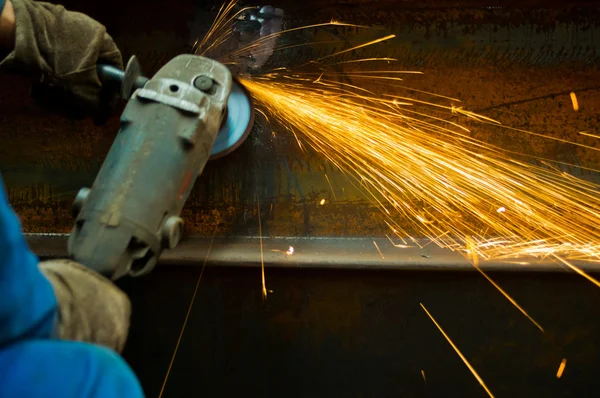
(424, 172)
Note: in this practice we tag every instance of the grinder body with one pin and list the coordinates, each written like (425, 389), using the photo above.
(131, 213)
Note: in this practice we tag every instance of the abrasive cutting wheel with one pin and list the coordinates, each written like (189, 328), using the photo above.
(237, 124)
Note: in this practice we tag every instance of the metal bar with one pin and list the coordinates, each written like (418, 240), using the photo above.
(318, 253)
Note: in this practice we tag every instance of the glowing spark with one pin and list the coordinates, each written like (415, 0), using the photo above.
(589, 135)
(322, 202)
(262, 257)
(472, 253)
(290, 251)
(423, 374)
(578, 270)
(479, 379)
(187, 317)
(331, 187)
(512, 301)
(359, 46)
(377, 247)
(501, 209)
(574, 101)
(366, 60)
(561, 368)
(404, 246)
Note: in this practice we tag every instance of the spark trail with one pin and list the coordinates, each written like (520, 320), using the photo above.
(423, 171)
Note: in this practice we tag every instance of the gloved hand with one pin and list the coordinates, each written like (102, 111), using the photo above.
(61, 49)
(90, 307)
(62, 300)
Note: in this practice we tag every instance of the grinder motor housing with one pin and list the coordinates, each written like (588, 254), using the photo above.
(168, 127)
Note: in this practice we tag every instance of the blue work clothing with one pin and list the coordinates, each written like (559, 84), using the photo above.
(2, 5)
(32, 363)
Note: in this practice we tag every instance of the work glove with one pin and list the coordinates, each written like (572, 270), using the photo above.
(90, 307)
(61, 50)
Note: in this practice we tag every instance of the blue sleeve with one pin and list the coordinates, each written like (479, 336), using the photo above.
(28, 307)
(65, 369)
(2, 6)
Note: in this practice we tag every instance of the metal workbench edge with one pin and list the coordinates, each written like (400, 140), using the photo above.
(307, 252)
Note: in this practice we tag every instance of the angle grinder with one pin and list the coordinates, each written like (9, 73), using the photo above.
(191, 111)
(239, 115)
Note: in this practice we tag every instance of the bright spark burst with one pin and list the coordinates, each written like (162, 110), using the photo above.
(471, 368)
(430, 178)
(421, 169)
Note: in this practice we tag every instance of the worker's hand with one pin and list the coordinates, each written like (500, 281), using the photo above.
(42, 303)
(90, 307)
(61, 50)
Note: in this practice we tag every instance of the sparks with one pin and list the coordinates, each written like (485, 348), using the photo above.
(381, 147)
(473, 371)
(331, 187)
(578, 270)
(589, 135)
(561, 368)
(422, 169)
(262, 256)
(378, 250)
(322, 202)
(574, 101)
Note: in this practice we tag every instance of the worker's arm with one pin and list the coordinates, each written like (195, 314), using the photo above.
(60, 51)
(7, 26)
(28, 307)
(32, 362)
(54, 299)
(47, 39)
(43, 302)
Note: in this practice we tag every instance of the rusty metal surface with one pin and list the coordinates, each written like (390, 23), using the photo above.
(516, 64)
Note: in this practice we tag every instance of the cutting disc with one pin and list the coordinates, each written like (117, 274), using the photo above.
(238, 123)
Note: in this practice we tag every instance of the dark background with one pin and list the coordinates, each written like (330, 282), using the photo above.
(342, 332)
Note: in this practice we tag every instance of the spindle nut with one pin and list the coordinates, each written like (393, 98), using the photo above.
(203, 83)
